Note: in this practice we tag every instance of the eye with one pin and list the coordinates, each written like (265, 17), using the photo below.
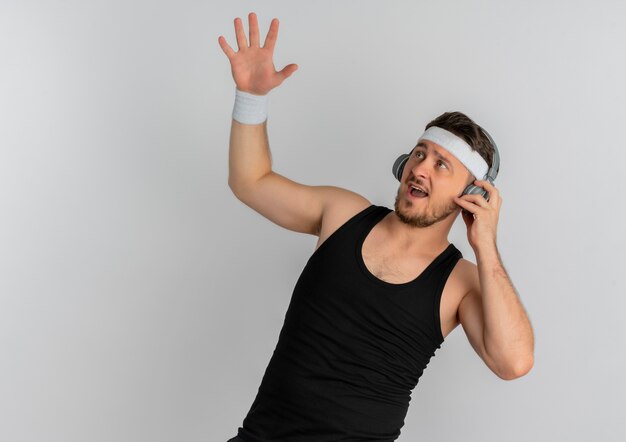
(419, 152)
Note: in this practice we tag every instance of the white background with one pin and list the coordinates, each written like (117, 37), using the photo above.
(141, 301)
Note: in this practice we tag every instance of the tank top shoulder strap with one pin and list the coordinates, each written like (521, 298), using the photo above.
(439, 277)
(446, 262)
(451, 256)
(353, 226)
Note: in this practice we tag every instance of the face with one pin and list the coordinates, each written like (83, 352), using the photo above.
(441, 174)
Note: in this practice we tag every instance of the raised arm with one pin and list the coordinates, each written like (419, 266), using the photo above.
(294, 206)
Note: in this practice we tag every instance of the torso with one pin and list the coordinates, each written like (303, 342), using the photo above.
(394, 268)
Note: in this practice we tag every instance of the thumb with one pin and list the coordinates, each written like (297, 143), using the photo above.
(288, 70)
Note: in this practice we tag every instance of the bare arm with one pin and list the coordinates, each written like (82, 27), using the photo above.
(295, 206)
(254, 72)
(289, 204)
(249, 156)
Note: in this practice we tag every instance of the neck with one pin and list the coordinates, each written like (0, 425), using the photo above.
(411, 239)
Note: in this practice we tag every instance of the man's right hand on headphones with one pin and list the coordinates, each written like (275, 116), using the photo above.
(252, 66)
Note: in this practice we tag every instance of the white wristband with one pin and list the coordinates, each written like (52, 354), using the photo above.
(250, 108)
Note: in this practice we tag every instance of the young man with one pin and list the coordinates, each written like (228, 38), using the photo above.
(383, 288)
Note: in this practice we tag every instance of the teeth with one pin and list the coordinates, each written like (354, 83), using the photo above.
(418, 188)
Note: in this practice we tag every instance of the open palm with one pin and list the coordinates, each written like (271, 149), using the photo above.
(252, 66)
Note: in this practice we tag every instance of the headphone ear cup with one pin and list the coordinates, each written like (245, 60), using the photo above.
(398, 166)
(473, 189)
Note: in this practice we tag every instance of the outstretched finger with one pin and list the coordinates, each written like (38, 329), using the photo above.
(225, 47)
(241, 36)
(272, 34)
(288, 70)
(254, 29)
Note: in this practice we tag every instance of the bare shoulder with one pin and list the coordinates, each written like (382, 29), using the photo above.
(463, 277)
(338, 209)
(466, 271)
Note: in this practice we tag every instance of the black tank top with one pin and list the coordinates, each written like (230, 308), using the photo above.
(352, 346)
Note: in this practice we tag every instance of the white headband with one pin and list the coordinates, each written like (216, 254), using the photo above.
(459, 148)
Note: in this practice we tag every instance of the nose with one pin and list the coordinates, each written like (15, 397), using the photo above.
(419, 169)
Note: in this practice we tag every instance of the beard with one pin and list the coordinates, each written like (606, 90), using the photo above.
(422, 218)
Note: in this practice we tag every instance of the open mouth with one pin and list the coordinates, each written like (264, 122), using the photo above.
(416, 193)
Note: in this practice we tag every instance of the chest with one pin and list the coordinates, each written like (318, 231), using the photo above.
(390, 267)
(397, 268)
(390, 263)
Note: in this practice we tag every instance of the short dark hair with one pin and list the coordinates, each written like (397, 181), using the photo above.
(463, 126)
